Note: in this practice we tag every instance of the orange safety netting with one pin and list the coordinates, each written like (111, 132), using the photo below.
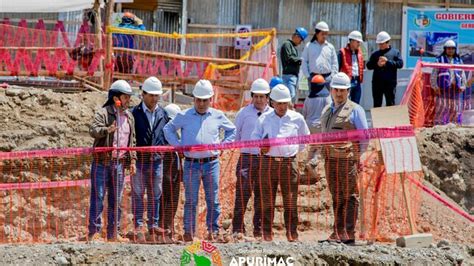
(443, 104)
(47, 196)
(186, 58)
(40, 52)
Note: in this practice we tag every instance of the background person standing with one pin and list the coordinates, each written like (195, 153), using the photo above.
(385, 63)
(291, 61)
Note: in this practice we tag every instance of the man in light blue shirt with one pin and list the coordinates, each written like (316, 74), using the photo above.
(200, 125)
(342, 159)
(279, 164)
(248, 165)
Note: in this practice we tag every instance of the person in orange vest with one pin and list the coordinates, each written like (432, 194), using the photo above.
(351, 62)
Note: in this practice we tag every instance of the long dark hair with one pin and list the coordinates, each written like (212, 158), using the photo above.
(456, 55)
(316, 31)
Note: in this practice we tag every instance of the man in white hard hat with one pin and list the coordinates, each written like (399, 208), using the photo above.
(248, 165)
(385, 63)
(342, 159)
(172, 174)
(150, 119)
(201, 124)
(279, 164)
(449, 86)
(113, 126)
(351, 62)
(319, 57)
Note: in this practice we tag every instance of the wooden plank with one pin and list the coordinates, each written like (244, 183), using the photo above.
(221, 83)
(406, 197)
(108, 46)
(98, 36)
(191, 58)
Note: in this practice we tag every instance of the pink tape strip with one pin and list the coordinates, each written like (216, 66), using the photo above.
(321, 138)
(439, 65)
(440, 199)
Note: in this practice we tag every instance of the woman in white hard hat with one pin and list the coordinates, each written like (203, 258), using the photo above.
(113, 126)
(449, 86)
(385, 63)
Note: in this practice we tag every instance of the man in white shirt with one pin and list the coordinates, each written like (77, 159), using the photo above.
(279, 165)
(248, 166)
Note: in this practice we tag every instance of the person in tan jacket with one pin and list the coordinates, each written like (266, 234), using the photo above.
(113, 126)
(341, 160)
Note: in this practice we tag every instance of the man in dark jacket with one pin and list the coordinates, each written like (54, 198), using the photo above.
(385, 63)
(150, 119)
(113, 126)
(291, 61)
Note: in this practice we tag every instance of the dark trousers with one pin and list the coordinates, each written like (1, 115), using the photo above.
(171, 189)
(341, 175)
(378, 91)
(284, 173)
(356, 90)
(247, 173)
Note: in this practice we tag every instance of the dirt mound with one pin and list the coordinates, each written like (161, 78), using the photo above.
(447, 154)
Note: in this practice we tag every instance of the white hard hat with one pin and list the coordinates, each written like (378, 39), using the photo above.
(322, 26)
(382, 37)
(152, 85)
(355, 35)
(260, 86)
(121, 86)
(172, 110)
(203, 89)
(280, 94)
(341, 81)
(449, 43)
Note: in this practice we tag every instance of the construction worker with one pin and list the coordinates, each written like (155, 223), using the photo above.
(342, 159)
(275, 81)
(449, 86)
(201, 124)
(248, 165)
(291, 60)
(319, 57)
(351, 62)
(113, 126)
(385, 63)
(172, 173)
(150, 119)
(279, 165)
(124, 61)
(312, 109)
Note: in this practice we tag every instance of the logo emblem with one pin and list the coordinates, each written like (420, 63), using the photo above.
(201, 254)
(422, 21)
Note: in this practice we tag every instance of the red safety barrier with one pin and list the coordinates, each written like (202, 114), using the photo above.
(40, 52)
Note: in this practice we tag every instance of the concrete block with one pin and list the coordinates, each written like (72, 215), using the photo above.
(415, 241)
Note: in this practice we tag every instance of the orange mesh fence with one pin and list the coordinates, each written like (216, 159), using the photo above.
(40, 52)
(71, 194)
(439, 94)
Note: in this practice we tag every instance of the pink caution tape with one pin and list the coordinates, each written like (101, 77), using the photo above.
(440, 199)
(451, 66)
(321, 138)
